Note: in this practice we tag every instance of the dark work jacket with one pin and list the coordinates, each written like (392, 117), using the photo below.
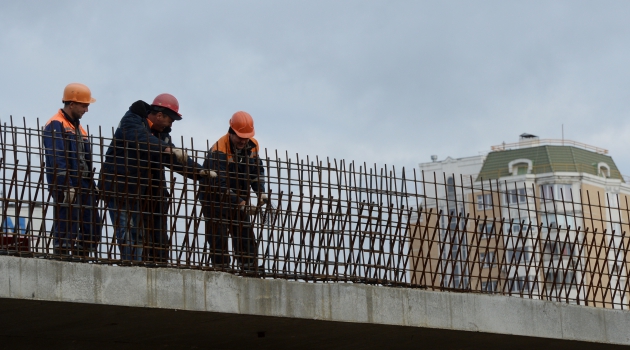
(135, 161)
(237, 173)
(68, 152)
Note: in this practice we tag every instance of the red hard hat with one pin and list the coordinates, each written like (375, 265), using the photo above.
(242, 124)
(168, 101)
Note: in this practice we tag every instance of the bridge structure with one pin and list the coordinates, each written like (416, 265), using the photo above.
(346, 255)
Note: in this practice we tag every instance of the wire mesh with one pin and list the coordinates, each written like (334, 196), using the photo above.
(324, 221)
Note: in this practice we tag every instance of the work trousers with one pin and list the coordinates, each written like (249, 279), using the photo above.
(78, 224)
(222, 223)
(140, 228)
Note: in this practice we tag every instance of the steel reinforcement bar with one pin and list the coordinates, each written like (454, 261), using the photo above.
(323, 220)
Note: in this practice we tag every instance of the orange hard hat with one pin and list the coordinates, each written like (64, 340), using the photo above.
(76, 92)
(242, 124)
(168, 101)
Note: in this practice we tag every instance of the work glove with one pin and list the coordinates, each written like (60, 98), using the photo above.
(180, 155)
(251, 210)
(263, 197)
(140, 108)
(70, 195)
(208, 173)
(247, 209)
(97, 193)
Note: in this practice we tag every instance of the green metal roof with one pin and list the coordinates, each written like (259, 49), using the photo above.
(546, 159)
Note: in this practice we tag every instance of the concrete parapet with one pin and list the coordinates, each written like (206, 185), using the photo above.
(23, 279)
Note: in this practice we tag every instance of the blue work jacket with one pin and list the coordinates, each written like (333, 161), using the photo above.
(68, 153)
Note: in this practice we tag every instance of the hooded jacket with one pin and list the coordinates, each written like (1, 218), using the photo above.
(135, 159)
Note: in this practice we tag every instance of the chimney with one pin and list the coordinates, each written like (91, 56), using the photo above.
(528, 140)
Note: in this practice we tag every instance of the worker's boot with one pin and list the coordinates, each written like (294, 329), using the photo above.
(250, 267)
(81, 253)
(61, 252)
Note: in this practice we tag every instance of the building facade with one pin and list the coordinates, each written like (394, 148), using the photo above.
(539, 217)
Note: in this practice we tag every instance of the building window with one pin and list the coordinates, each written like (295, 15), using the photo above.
(450, 188)
(617, 269)
(455, 252)
(520, 166)
(557, 192)
(453, 221)
(490, 286)
(565, 192)
(484, 201)
(554, 221)
(486, 230)
(559, 277)
(487, 259)
(603, 170)
(546, 192)
(521, 284)
(516, 196)
(560, 249)
(518, 256)
(516, 228)
(457, 274)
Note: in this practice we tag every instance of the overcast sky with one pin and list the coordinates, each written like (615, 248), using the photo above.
(386, 82)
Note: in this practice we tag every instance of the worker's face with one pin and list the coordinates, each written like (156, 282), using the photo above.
(77, 110)
(162, 121)
(237, 141)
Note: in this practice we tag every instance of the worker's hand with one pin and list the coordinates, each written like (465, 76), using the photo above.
(97, 192)
(263, 197)
(247, 209)
(208, 173)
(180, 154)
(70, 195)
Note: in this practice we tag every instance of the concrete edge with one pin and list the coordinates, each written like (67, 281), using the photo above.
(194, 290)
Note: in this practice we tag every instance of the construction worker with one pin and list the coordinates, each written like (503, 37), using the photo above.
(134, 182)
(226, 199)
(76, 222)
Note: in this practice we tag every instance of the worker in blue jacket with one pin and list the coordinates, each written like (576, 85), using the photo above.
(134, 182)
(226, 199)
(68, 156)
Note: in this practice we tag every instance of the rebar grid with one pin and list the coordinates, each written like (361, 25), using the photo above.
(336, 221)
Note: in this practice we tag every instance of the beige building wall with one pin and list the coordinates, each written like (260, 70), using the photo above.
(601, 279)
(624, 283)
(424, 236)
(484, 237)
(596, 272)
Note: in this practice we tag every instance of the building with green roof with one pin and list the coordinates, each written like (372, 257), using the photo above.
(547, 159)
(560, 204)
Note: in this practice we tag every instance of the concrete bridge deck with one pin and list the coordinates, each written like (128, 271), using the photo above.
(45, 303)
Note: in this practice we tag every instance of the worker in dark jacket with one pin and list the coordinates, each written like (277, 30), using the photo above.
(133, 178)
(226, 199)
(76, 223)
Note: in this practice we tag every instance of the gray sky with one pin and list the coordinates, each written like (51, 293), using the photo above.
(386, 82)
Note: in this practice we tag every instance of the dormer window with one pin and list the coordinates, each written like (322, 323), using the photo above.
(603, 170)
(520, 167)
